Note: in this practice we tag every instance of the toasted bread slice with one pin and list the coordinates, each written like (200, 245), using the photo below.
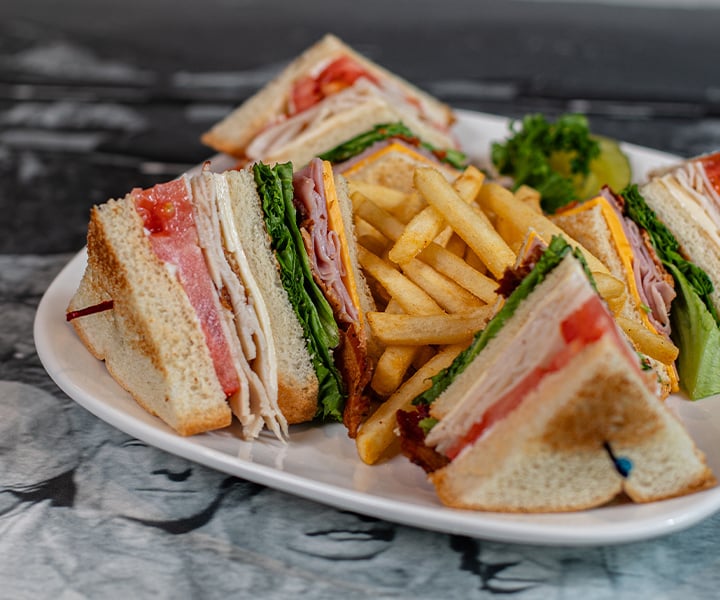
(151, 339)
(552, 453)
(235, 132)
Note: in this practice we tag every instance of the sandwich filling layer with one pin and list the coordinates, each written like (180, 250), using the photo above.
(331, 75)
(567, 317)
(324, 236)
(275, 188)
(339, 87)
(168, 219)
(387, 138)
(228, 266)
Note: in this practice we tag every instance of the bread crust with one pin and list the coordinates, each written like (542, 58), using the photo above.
(151, 340)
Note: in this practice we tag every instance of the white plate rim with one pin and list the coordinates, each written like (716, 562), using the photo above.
(605, 525)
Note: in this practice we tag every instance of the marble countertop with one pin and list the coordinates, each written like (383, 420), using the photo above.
(96, 99)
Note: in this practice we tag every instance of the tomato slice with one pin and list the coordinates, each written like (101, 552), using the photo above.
(583, 327)
(711, 164)
(305, 94)
(341, 73)
(167, 214)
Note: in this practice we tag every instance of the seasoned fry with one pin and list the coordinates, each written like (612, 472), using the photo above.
(462, 273)
(529, 196)
(414, 330)
(377, 433)
(429, 224)
(437, 257)
(456, 245)
(448, 294)
(502, 202)
(411, 297)
(387, 198)
(393, 362)
(477, 231)
(612, 290)
(391, 368)
(370, 237)
(378, 217)
(654, 345)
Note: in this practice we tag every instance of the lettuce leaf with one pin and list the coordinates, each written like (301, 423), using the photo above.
(359, 143)
(696, 333)
(551, 258)
(527, 156)
(275, 188)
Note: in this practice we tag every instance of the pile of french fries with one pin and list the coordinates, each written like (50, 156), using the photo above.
(433, 257)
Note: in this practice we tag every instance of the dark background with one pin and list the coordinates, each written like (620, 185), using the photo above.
(98, 97)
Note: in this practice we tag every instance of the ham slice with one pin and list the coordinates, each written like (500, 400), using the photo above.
(652, 282)
(321, 242)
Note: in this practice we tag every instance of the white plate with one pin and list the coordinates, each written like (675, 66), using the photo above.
(320, 462)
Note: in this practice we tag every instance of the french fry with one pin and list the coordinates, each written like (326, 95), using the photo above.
(529, 196)
(468, 184)
(420, 231)
(393, 362)
(442, 238)
(387, 198)
(509, 231)
(456, 245)
(460, 271)
(501, 201)
(403, 206)
(437, 257)
(477, 231)
(377, 434)
(391, 368)
(411, 297)
(612, 291)
(473, 261)
(652, 344)
(390, 226)
(415, 330)
(429, 224)
(424, 354)
(448, 294)
(415, 203)
(370, 237)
